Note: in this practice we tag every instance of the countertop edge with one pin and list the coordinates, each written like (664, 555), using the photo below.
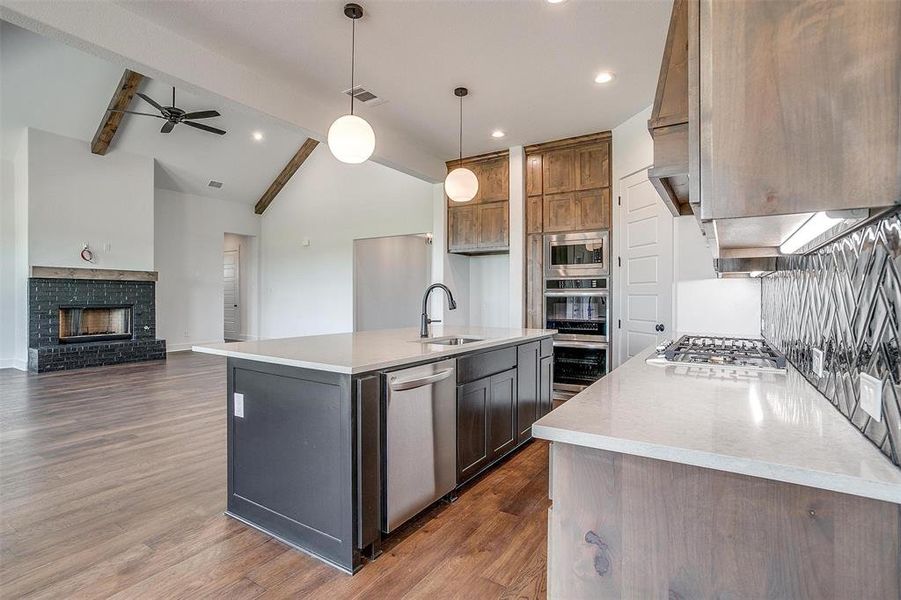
(275, 360)
(449, 352)
(844, 484)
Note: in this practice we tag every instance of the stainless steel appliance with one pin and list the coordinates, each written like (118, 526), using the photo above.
(576, 304)
(583, 254)
(420, 439)
(737, 353)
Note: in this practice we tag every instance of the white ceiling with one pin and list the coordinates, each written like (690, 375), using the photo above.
(530, 65)
(71, 94)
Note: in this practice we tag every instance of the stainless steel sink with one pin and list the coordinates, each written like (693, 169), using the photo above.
(451, 340)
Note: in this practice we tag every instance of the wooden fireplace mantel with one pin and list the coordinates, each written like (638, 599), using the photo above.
(101, 274)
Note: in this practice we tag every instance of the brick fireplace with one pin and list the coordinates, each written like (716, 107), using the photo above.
(91, 317)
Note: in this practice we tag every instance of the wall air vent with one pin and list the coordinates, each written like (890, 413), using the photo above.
(365, 96)
(215, 184)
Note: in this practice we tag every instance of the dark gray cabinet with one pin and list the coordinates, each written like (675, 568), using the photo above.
(545, 385)
(473, 399)
(486, 422)
(502, 414)
(528, 374)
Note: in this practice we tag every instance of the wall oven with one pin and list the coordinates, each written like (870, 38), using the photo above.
(576, 304)
(577, 254)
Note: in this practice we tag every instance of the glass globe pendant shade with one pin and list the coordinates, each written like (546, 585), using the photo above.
(461, 185)
(351, 139)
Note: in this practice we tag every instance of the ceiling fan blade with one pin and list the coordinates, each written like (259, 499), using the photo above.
(131, 112)
(167, 127)
(204, 127)
(153, 103)
(203, 114)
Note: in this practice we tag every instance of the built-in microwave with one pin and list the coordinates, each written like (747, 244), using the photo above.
(583, 254)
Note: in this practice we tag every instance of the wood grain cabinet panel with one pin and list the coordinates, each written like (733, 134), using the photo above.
(560, 212)
(559, 171)
(592, 167)
(533, 214)
(494, 225)
(533, 175)
(817, 89)
(462, 227)
(494, 180)
(594, 208)
(534, 281)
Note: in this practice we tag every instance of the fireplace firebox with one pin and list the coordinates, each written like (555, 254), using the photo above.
(79, 324)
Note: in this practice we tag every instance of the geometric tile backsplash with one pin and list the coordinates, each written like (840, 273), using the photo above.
(844, 299)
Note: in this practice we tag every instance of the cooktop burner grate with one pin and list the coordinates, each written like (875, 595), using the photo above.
(744, 352)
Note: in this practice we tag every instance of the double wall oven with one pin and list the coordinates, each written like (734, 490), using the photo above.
(576, 304)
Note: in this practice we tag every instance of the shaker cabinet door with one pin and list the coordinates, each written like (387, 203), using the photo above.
(502, 414)
(473, 400)
(462, 228)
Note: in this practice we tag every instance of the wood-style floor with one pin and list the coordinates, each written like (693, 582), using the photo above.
(113, 483)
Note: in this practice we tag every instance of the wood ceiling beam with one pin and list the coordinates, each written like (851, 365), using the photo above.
(109, 125)
(276, 186)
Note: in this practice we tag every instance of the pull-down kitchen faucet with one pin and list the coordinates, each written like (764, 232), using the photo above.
(425, 320)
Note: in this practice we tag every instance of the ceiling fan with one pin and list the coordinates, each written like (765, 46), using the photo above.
(174, 115)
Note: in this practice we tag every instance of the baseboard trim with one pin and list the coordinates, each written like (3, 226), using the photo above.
(185, 347)
(14, 363)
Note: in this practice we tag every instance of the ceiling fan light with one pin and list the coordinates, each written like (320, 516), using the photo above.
(351, 139)
(461, 185)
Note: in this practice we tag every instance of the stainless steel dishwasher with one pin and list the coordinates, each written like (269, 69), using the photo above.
(420, 439)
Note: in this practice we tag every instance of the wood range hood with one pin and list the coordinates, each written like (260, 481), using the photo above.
(743, 139)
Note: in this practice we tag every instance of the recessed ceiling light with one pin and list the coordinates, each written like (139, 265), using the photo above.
(258, 136)
(556, 1)
(497, 133)
(604, 77)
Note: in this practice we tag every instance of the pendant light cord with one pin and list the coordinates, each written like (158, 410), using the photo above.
(353, 46)
(461, 130)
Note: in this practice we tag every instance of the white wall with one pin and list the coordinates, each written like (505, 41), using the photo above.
(489, 290)
(189, 240)
(308, 289)
(450, 269)
(701, 302)
(75, 197)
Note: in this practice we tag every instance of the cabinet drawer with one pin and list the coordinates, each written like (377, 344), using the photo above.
(476, 366)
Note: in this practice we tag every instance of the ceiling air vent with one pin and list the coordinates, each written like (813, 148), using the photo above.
(215, 184)
(365, 96)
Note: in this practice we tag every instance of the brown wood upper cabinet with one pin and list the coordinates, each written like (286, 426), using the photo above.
(568, 184)
(482, 225)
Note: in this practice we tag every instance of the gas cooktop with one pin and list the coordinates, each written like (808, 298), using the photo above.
(745, 353)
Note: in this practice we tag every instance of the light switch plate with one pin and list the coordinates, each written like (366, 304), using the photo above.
(817, 362)
(239, 405)
(871, 395)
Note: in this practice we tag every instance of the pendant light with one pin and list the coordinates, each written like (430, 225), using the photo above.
(350, 138)
(461, 184)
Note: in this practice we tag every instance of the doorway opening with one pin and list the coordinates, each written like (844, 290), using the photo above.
(236, 292)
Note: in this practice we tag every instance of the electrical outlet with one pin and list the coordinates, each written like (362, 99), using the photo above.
(818, 358)
(871, 395)
(239, 405)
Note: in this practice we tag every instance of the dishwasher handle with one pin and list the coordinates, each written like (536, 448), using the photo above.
(398, 385)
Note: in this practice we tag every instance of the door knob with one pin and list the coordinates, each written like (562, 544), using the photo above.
(659, 327)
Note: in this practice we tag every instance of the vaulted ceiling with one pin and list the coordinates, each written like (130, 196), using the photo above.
(530, 65)
(72, 92)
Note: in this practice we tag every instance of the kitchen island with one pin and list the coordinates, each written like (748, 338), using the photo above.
(686, 481)
(336, 440)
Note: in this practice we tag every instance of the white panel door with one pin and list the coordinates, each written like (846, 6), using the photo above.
(645, 271)
(230, 295)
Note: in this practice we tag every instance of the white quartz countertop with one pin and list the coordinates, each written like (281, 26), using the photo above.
(364, 351)
(775, 426)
